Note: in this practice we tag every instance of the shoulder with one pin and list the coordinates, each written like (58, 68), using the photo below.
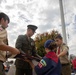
(47, 60)
(65, 46)
(20, 36)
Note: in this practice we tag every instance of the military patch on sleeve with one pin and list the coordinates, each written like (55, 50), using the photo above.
(42, 63)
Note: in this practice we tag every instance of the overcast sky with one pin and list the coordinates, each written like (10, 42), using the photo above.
(43, 13)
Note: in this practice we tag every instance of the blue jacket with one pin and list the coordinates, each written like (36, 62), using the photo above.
(47, 66)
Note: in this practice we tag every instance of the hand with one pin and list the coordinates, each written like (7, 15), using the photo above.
(5, 47)
(22, 56)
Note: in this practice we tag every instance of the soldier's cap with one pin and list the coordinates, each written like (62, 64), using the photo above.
(48, 43)
(33, 27)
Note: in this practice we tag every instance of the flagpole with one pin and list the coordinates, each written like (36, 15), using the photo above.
(63, 22)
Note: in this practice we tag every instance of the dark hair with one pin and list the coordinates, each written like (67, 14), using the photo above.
(52, 46)
(59, 37)
(4, 16)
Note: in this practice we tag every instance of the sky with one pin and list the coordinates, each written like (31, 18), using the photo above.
(43, 13)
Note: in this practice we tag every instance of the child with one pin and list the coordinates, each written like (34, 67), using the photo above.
(50, 64)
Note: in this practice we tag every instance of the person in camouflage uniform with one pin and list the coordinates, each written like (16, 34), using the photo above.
(27, 45)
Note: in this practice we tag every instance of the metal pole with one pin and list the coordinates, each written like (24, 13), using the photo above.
(63, 22)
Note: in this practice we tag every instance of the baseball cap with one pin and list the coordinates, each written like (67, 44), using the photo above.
(48, 43)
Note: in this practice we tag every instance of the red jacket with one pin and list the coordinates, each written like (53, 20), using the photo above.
(74, 63)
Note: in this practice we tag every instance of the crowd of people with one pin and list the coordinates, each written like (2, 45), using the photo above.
(55, 62)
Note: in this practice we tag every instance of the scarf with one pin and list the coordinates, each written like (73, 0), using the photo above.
(52, 56)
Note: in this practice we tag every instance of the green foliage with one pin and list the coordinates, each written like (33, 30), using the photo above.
(40, 40)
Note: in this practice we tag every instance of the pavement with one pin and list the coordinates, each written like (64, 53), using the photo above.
(13, 69)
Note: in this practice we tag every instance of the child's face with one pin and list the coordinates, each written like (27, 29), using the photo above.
(4, 23)
(58, 41)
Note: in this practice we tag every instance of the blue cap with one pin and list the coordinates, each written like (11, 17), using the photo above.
(47, 43)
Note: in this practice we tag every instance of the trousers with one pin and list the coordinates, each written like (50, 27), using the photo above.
(66, 69)
(20, 71)
(2, 71)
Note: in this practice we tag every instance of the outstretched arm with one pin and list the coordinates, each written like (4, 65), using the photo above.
(5, 47)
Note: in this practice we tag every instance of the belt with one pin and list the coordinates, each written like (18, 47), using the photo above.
(65, 64)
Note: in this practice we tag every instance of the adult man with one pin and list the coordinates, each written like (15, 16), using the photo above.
(62, 53)
(27, 45)
(4, 20)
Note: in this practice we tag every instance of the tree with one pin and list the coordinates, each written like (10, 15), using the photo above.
(40, 40)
